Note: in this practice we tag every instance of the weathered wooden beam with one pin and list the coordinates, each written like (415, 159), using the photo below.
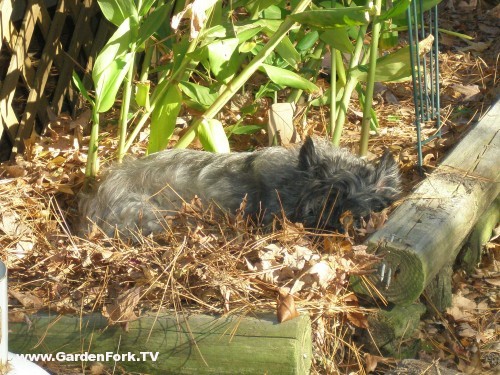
(195, 344)
(426, 232)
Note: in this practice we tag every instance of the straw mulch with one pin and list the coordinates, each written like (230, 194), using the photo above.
(206, 262)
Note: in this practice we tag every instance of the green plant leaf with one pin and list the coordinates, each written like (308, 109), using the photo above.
(401, 19)
(112, 65)
(110, 80)
(307, 41)
(288, 52)
(388, 37)
(199, 94)
(284, 77)
(246, 47)
(79, 85)
(273, 13)
(223, 58)
(331, 18)
(163, 119)
(145, 7)
(116, 11)
(246, 34)
(212, 136)
(118, 45)
(398, 7)
(142, 94)
(338, 38)
(152, 23)
(395, 66)
(243, 129)
(257, 6)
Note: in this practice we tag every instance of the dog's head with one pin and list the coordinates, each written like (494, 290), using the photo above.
(341, 182)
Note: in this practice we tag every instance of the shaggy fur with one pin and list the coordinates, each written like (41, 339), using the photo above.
(313, 183)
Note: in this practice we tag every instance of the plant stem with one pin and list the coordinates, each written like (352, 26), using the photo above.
(333, 91)
(122, 127)
(92, 165)
(148, 54)
(349, 87)
(240, 80)
(365, 123)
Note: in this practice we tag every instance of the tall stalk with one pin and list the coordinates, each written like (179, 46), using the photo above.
(240, 80)
(122, 126)
(349, 87)
(365, 123)
(333, 91)
(92, 161)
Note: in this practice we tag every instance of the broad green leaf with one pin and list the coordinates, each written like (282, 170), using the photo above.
(331, 18)
(118, 45)
(163, 119)
(222, 58)
(273, 13)
(401, 19)
(246, 34)
(212, 136)
(338, 38)
(325, 99)
(398, 7)
(257, 6)
(243, 129)
(215, 32)
(112, 64)
(307, 42)
(199, 94)
(146, 6)
(110, 80)
(288, 52)
(151, 23)
(142, 94)
(388, 36)
(79, 85)
(116, 11)
(246, 47)
(268, 26)
(287, 78)
(395, 66)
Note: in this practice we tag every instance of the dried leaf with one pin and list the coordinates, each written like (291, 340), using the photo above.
(358, 319)
(196, 11)
(27, 299)
(323, 272)
(468, 92)
(122, 309)
(286, 306)
(461, 308)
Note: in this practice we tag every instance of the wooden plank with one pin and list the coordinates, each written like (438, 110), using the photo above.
(196, 344)
(427, 230)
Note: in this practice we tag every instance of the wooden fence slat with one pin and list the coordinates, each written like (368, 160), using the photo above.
(28, 121)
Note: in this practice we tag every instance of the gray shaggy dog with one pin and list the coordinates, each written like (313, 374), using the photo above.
(313, 183)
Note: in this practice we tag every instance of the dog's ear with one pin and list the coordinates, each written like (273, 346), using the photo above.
(388, 179)
(307, 155)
